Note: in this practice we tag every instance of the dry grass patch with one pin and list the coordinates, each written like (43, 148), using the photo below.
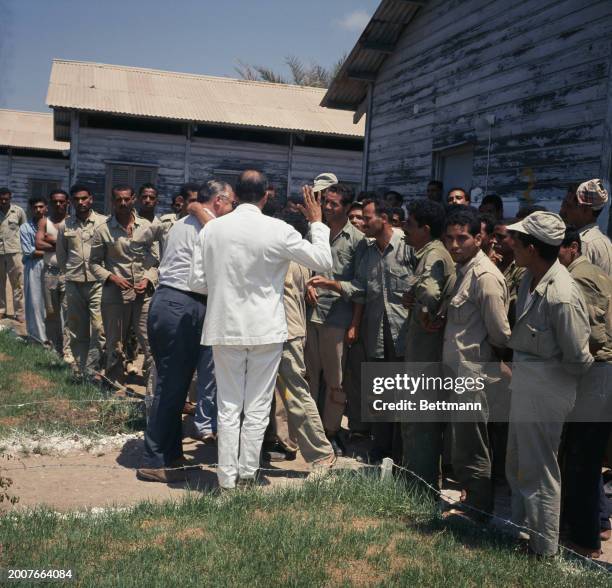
(33, 382)
(5, 357)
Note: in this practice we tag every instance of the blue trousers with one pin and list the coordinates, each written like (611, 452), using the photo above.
(174, 329)
(205, 419)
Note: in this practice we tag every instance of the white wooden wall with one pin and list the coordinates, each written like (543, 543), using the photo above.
(540, 66)
(23, 169)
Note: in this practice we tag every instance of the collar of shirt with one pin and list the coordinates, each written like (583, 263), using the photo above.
(138, 220)
(433, 244)
(209, 211)
(547, 278)
(345, 230)
(396, 238)
(463, 269)
(3, 215)
(577, 261)
(248, 207)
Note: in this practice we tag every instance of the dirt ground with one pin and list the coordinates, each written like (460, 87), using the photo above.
(80, 481)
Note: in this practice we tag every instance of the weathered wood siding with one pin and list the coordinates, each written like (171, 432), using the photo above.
(210, 157)
(99, 147)
(206, 157)
(23, 169)
(309, 162)
(542, 67)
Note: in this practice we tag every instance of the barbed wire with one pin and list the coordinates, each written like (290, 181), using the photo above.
(446, 497)
(75, 400)
(506, 522)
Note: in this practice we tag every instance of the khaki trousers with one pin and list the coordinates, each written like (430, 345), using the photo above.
(532, 468)
(11, 271)
(55, 309)
(300, 408)
(84, 324)
(325, 354)
(118, 318)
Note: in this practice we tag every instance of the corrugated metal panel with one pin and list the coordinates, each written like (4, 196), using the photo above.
(376, 42)
(161, 94)
(28, 130)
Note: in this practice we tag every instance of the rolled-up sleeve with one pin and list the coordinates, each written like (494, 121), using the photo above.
(96, 258)
(316, 255)
(197, 274)
(27, 241)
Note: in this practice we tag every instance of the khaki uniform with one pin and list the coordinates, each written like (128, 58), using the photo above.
(434, 275)
(326, 328)
(477, 322)
(55, 297)
(133, 257)
(11, 266)
(301, 412)
(513, 275)
(596, 247)
(589, 425)
(379, 283)
(551, 350)
(83, 291)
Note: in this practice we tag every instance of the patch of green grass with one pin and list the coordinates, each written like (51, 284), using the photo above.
(29, 374)
(350, 530)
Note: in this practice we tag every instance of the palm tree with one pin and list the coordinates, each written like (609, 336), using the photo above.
(314, 75)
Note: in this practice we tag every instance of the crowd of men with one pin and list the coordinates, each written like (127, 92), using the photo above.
(272, 310)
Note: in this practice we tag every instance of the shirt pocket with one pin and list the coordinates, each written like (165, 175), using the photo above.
(399, 280)
(540, 341)
(460, 309)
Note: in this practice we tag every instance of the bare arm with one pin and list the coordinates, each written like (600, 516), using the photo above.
(41, 237)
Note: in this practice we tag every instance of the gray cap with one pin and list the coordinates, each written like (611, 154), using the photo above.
(324, 181)
(547, 227)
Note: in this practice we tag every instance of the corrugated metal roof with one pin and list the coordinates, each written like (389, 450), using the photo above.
(28, 130)
(135, 91)
(349, 87)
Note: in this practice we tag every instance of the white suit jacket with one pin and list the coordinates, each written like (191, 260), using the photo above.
(240, 261)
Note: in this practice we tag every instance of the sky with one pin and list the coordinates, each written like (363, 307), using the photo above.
(193, 36)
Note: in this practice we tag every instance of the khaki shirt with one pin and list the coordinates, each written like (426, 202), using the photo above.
(9, 229)
(133, 258)
(295, 304)
(477, 315)
(331, 309)
(379, 283)
(513, 275)
(596, 247)
(73, 246)
(434, 275)
(597, 291)
(551, 335)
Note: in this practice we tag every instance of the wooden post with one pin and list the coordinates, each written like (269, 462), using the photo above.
(386, 469)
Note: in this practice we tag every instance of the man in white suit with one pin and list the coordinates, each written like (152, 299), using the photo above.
(241, 261)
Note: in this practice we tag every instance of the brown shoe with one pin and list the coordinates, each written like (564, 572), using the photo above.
(605, 534)
(162, 475)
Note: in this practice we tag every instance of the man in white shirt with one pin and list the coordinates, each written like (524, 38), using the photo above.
(174, 329)
(241, 261)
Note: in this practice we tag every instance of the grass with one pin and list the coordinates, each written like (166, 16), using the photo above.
(350, 530)
(30, 373)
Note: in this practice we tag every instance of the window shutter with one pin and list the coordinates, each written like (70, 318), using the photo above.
(144, 175)
(132, 175)
(41, 188)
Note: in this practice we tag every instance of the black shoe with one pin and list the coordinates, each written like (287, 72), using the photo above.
(337, 446)
(276, 452)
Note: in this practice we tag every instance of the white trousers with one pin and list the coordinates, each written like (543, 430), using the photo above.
(245, 385)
